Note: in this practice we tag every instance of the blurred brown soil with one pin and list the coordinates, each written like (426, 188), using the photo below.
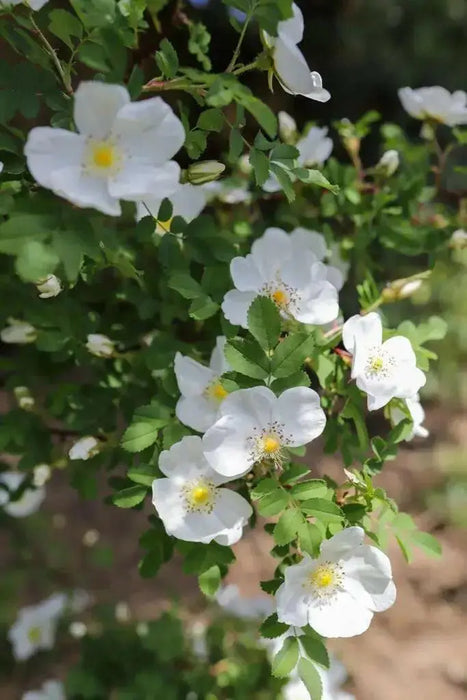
(415, 651)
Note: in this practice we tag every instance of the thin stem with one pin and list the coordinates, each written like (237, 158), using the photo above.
(236, 52)
(247, 67)
(373, 306)
(55, 60)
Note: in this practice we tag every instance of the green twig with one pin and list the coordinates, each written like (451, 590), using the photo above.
(55, 60)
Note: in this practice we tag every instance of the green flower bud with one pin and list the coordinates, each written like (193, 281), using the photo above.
(205, 171)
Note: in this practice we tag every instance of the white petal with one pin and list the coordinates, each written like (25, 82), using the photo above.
(375, 402)
(342, 544)
(84, 190)
(368, 578)
(256, 405)
(235, 307)
(192, 377)
(233, 511)
(318, 305)
(291, 597)
(315, 147)
(48, 150)
(270, 251)
(342, 616)
(365, 330)
(96, 106)
(292, 28)
(411, 102)
(150, 131)
(185, 458)
(401, 348)
(245, 274)
(300, 411)
(197, 412)
(218, 362)
(315, 242)
(226, 446)
(187, 201)
(137, 180)
(291, 67)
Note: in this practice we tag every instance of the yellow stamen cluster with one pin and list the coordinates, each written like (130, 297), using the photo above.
(103, 155)
(216, 392)
(200, 496)
(34, 635)
(280, 298)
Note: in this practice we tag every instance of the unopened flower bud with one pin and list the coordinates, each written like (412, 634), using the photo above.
(244, 164)
(287, 128)
(458, 240)
(18, 332)
(91, 538)
(49, 287)
(100, 345)
(205, 171)
(78, 629)
(388, 163)
(24, 398)
(401, 289)
(85, 448)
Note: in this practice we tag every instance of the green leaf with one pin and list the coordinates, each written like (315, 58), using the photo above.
(314, 488)
(286, 658)
(235, 145)
(211, 120)
(185, 285)
(260, 111)
(144, 428)
(272, 628)
(285, 178)
(264, 322)
(152, 561)
(198, 43)
(167, 59)
(260, 164)
(273, 503)
(310, 538)
(209, 580)
(287, 526)
(429, 544)
(35, 261)
(130, 497)
(315, 650)
(65, 25)
(15, 232)
(323, 509)
(143, 474)
(315, 177)
(311, 678)
(264, 487)
(247, 357)
(291, 353)
(203, 307)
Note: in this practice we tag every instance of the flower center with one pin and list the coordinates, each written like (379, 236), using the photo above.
(200, 496)
(102, 158)
(103, 155)
(215, 391)
(271, 444)
(280, 298)
(379, 364)
(34, 634)
(164, 226)
(325, 579)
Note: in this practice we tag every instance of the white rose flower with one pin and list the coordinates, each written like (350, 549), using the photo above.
(1, 166)
(24, 398)
(18, 332)
(27, 504)
(100, 345)
(382, 370)
(230, 600)
(189, 501)
(201, 388)
(187, 201)
(85, 448)
(435, 103)
(286, 271)
(290, 66)
(35, 627)
(49, 287)
(313, 241)
(33, 4)
(337, 593)
(50, 690)
(122, 150)
(256, 425)
(417, 415)
(388, 163)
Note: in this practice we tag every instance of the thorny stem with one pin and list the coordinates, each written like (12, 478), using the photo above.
(55, 60)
